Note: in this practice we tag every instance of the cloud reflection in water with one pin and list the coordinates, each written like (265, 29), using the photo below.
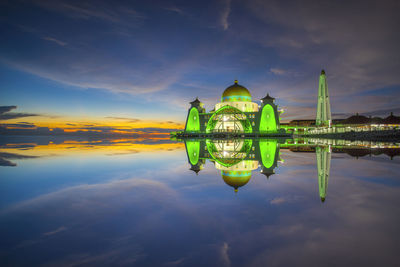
(163, 214)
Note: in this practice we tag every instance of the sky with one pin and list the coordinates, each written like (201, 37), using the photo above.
(137, 64)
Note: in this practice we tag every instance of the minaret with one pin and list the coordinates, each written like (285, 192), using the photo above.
(269, 115)
(323, 164)
(193, 118)
(324, 117)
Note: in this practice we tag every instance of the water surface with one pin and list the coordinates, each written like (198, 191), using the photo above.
(140, 203)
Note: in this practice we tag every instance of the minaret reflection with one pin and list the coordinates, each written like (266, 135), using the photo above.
(269, 154)
(235, 158)
(323, 154)
(193, 153)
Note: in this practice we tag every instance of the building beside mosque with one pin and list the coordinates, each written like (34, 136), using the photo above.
(236, 113)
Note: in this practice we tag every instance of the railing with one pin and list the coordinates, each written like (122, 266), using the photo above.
(226, 131)
(345, 129)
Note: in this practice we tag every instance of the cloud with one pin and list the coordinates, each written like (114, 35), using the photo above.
(19, 125)
(4, 109)
(224, 254)
(16, 156)
(174, 9)
(225, 14)
(56, 231)
(5, 163)
(277, 201)
(51, 39)
(146, 216)
(272, 40)
(150, 203)
(129, 152)
(332, 36)
(86, 73)
(146, 66)
(358, 56)
(86, 10)
(6, 115)
(5, 155)
(177, 262)
(155, 130)
(16, 115)
(298, 112)
(277, 71)
(133, 120)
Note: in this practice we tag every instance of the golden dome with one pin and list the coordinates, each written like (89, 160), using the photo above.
(236, 179)
(236, 92)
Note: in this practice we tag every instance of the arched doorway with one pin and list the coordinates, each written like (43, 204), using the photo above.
(229, 119)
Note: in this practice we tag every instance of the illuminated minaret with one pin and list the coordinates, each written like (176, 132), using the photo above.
(323, 164)
(324, 117)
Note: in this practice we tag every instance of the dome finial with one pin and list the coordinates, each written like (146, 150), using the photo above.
(236, 81)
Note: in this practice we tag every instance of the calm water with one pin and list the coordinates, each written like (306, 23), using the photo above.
(137, 203)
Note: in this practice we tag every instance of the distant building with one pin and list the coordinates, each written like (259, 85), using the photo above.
(360, 119)
(235, 113)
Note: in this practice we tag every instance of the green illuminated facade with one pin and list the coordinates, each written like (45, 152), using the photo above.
(323, 165)
(324, 117)
(236, 113)
(235, 159)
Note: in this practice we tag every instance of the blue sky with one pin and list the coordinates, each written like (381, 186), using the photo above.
(148, 59)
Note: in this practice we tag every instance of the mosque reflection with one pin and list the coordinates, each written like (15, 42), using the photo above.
(237, 158)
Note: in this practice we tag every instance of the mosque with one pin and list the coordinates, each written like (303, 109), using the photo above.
(236, 113)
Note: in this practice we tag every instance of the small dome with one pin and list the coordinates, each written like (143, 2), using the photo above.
(236, 179)
(236, 92)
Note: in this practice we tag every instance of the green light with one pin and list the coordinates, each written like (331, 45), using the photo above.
(228, 162)
(268, 152)
(268, 120)
(233, 111)
(324, 115)
(323, 165)
(193, 122)
(193, 150)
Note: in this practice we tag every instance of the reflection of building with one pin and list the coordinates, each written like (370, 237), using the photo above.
(236, 113)
(323, 164)
(236, 158)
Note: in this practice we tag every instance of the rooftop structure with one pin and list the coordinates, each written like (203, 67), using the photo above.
(236, 113)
